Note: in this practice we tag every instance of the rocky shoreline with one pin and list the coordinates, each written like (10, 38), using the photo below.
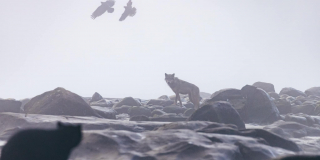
(250, 123)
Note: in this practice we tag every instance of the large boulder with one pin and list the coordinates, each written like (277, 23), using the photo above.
(127, 101)
(160, 102)
(59, 102)
(96, 97)
(268, 87)
(10, 105)
(315, 91)
(122, 109)
(259, 107)
(292, 92)
(234, 96)
(220, 111)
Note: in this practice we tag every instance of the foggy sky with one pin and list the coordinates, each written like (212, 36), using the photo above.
(214, 44)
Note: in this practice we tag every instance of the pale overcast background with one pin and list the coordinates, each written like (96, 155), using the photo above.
(214, 44)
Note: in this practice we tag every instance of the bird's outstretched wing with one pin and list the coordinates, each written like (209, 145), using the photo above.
(124, 15)
(105, 6)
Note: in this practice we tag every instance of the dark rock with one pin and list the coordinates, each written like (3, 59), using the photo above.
(139, 118)
(283, 106)
(96, 97)
(259, 107)
(164, 97)
(59, 102)
(160, 102)
(127, 101)
(157, 112)
(274, 95)
(292, 92)
(7, 105)
(221, 112)
(268, 87)
(315, 91)
(304, 108)
(189, 112)
(139, 111)
(174, 109)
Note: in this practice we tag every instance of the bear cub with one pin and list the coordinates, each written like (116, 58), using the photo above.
(37, 144)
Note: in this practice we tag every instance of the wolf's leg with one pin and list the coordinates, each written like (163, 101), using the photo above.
(176, 99)
(190, 97)
(180, 100)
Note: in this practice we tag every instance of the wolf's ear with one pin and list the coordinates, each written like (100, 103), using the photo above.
(60, 125)
(166, 74)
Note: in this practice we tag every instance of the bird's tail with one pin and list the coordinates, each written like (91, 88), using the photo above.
(110, 10)
(134, 11)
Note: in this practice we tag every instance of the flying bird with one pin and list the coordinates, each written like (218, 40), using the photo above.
(105, 6)
(129, 11)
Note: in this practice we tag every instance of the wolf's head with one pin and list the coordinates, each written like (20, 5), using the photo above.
(70, 134)
(169, 78)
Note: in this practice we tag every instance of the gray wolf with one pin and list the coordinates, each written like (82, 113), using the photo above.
(179, 86)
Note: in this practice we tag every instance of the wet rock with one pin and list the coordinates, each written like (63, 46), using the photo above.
(315, 91)
(139, 111)
(127, 101)
(292, 92)
(189, 112)
(193, 125)
(154, 107)
(234, 96)
(283, 106)
(268, 87)
(8, 105)
(174, 109)
(160, 102)
(139, 118)
(96, 97)
(188, 105)
(59, 102)
(259, 107)
(220, 111)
